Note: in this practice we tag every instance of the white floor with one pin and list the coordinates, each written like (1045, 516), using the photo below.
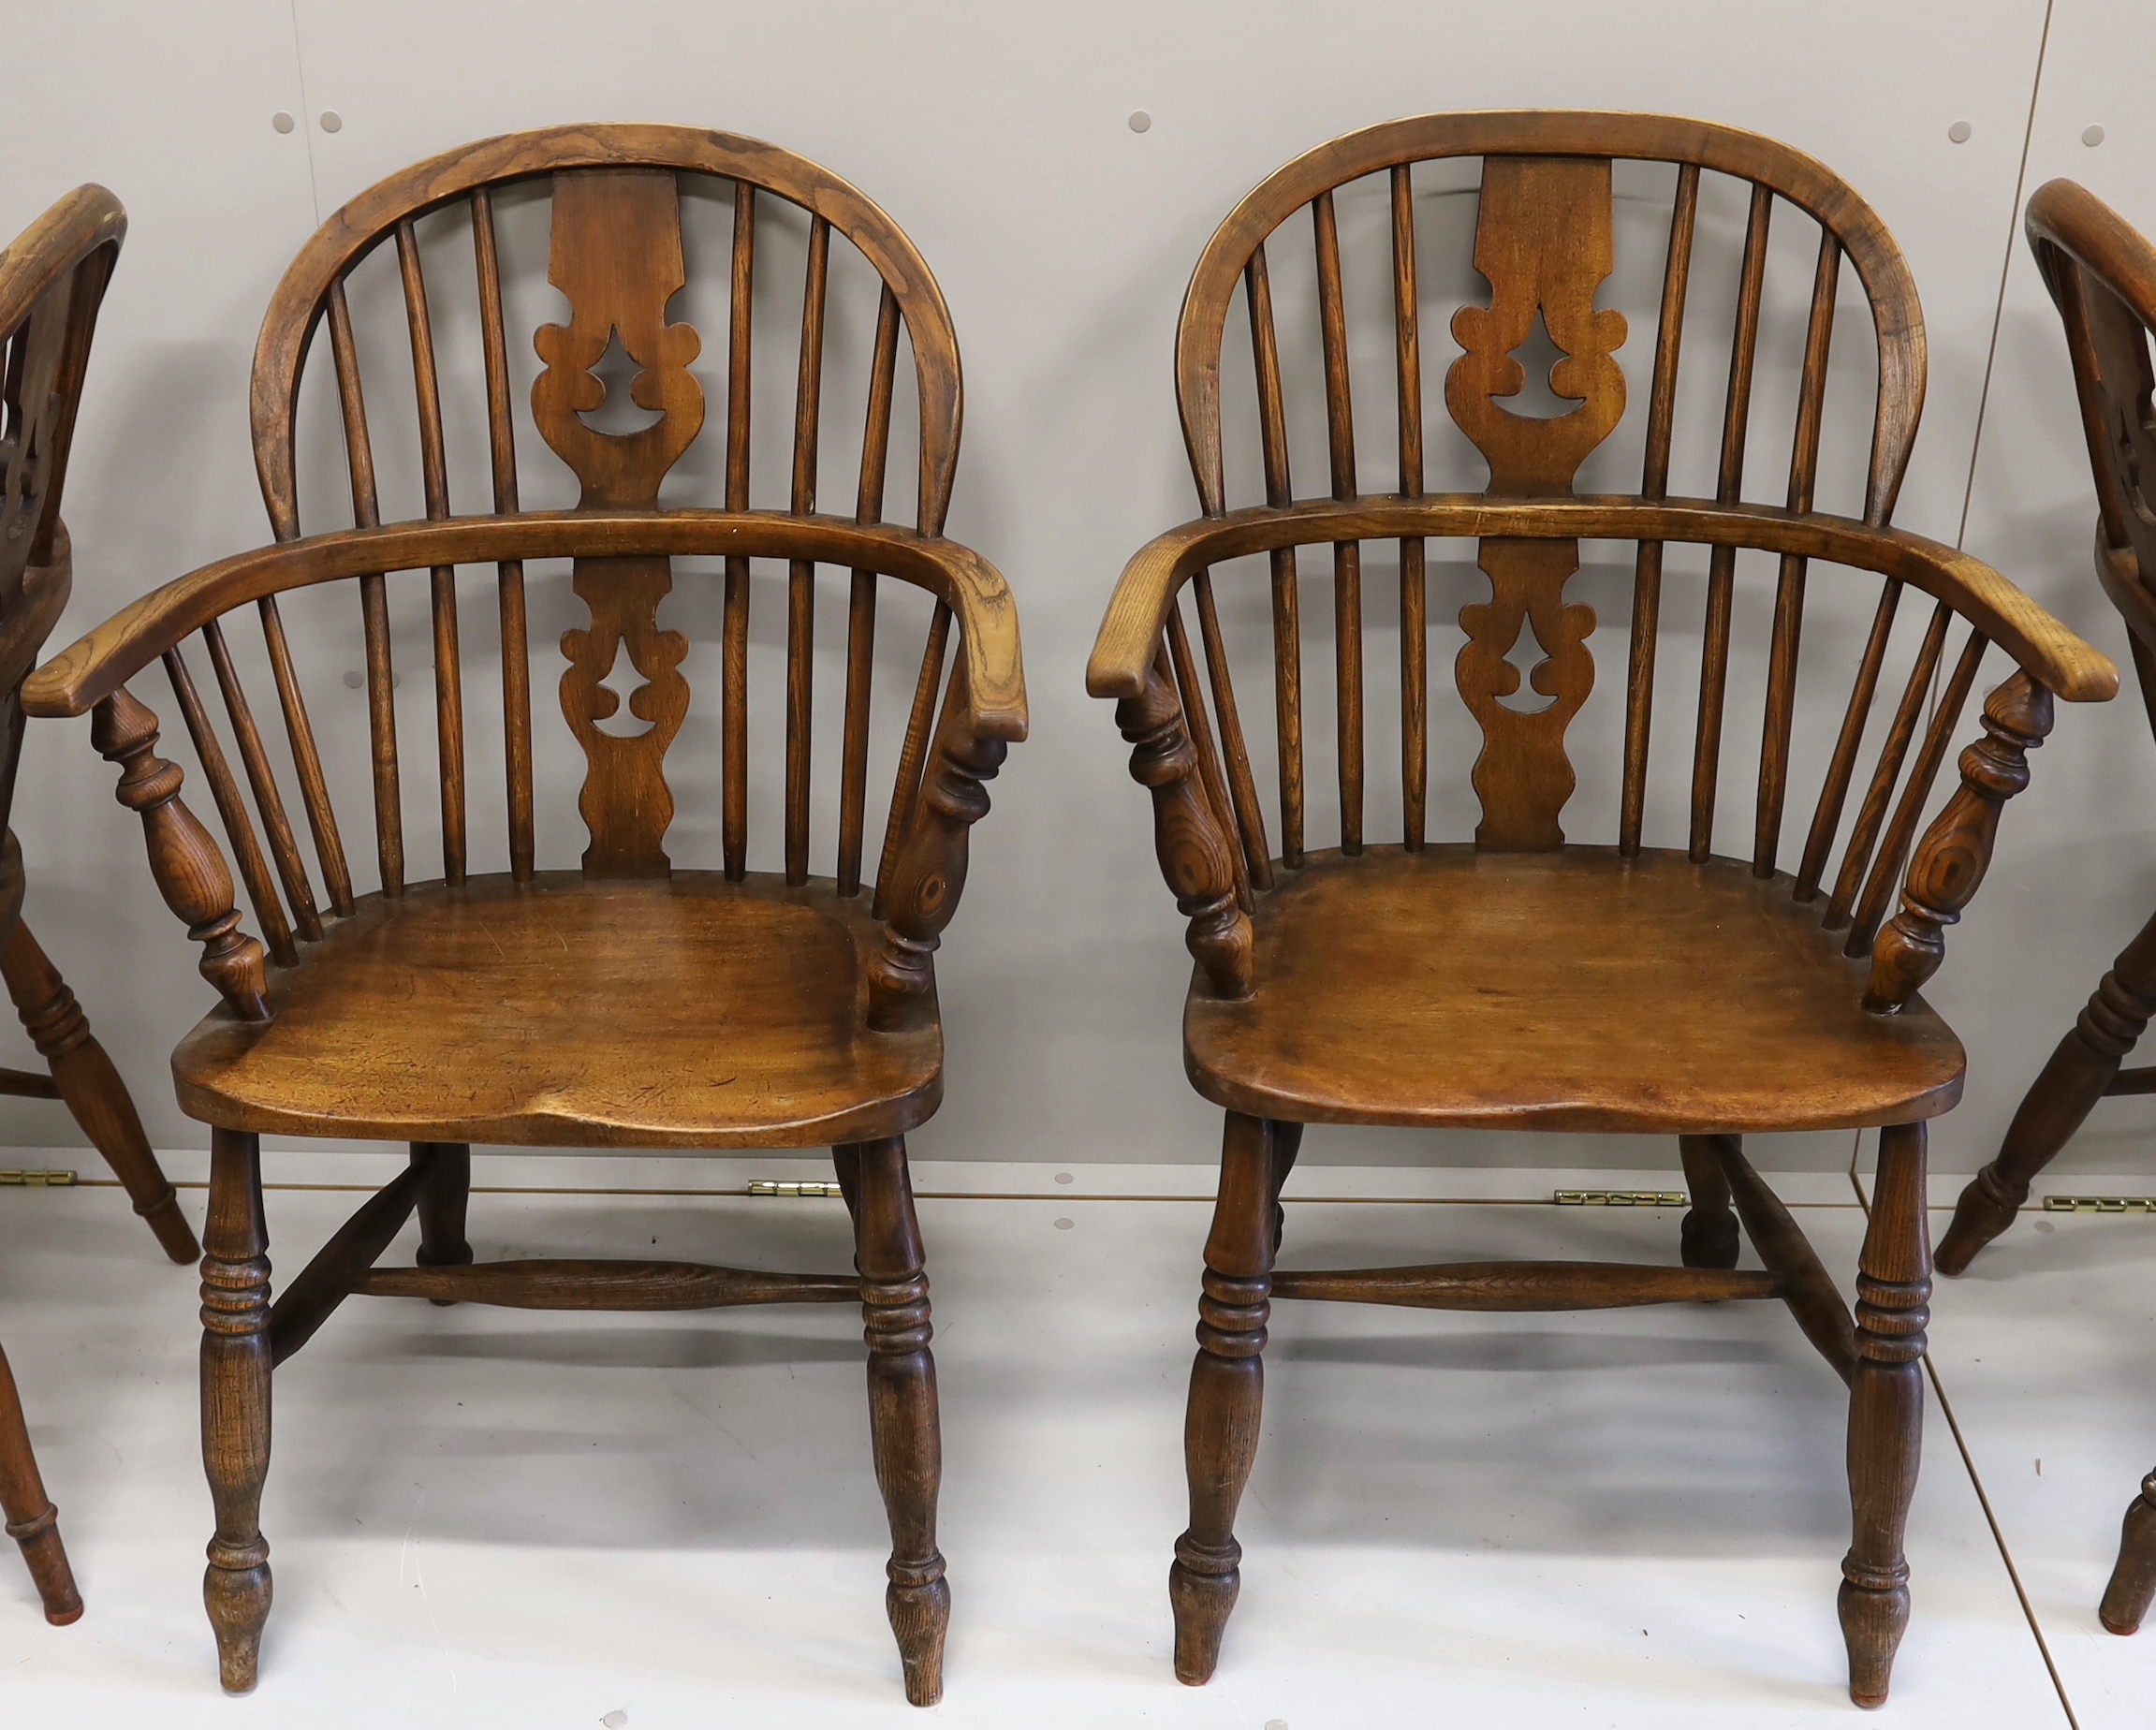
(497, 1517)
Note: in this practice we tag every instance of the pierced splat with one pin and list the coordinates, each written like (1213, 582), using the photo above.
(1545, 241)
(2123, 352)
(616, 254)
(29, 425)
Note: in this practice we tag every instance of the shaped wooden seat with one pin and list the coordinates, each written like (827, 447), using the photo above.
(694, 1012)
(634, 1002)
(1570, 991)
(1531, 982)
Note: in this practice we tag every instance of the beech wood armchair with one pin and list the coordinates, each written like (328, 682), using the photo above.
(630, 1003)
(1524, 980)
(2101, 273)
(53, 279)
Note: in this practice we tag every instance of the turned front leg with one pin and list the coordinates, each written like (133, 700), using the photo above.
(1886, 1412)
(902, 1425)
(2080, 1072)
(1707, 1236)
(33, 1521)
(236, 1402)
(94, 1094)
(1227, 1392)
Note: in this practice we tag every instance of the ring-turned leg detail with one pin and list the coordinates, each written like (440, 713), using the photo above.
(33, 1521)
(236, 1403)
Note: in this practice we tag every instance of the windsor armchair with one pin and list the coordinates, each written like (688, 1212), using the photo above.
(1525, 980)
(53, 279)
(2102, 274)
(630, 1003)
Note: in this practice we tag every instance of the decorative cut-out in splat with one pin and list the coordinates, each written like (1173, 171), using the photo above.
(616, 254)
(29, 425)
(1546, 242)
(1526, 658)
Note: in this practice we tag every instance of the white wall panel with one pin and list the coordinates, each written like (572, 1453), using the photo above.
(997, 136)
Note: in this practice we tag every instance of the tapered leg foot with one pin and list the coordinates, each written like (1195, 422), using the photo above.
(902, 1420)
(1707, 1236)
(443, 1205)
(2079, 1073)
(1885, 1413)
(236, 1588)
(1226, 1387)
(91, 1088)
(33, 1521)
(2134, 1575)
(1202, 1587)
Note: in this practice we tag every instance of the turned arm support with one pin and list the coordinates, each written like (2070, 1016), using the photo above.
(1956, 850)
(190, 871)
(930, 873)
(1196, 856)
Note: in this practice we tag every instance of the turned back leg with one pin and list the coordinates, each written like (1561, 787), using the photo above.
(33, 1521)
(236, 1402)
(1707, 1236)
(1886, 1412)
(2079, 1073)
(444, 1200)
(1226, 1386)
(91, 1088)
(902, 1423)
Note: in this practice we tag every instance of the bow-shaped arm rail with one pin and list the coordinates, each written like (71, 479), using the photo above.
(985, 712)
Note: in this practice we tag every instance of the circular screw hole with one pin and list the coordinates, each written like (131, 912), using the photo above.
(282, 121)
(2092, 135)
(353, 682)
(1141, 122)
(1064, 1177)
(1959, 132)
(1064, 1224)
(616, 1720)
(334, 121)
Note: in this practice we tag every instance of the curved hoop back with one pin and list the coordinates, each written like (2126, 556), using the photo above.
(1529, 144)
(310, 290)
(2102, 274)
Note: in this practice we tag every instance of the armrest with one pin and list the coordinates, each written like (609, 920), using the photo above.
(100, 663)
(2046, 650)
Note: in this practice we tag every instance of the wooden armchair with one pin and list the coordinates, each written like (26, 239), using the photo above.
(630, 1003)
(2102, 275)
(53, 279)
(1526, 981)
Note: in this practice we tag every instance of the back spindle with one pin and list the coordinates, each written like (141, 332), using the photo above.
(284, 848)
(1413, 597)
(299, 736)
(1826, 816)
(1242, 785)
(510, 577)
(800, 573)
(1902, 835)
(861, 603)
(1789, 587)
(1287, 600)
(1210, 776)
(1872, 812)
(1346, 555)
(734, 716)
(1722, 562)
(1654, 484)
(912, 753)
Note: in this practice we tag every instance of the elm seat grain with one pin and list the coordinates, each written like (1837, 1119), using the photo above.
(1576, 990)
(691, 1012)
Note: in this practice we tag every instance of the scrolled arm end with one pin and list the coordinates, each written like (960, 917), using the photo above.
(1194, 854)
(191, 873)
(1956, 852)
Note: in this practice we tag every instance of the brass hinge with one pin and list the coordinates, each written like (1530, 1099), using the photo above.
(1619, 1198)
(764, 1186)
(2100, 1204)
(39, 1180)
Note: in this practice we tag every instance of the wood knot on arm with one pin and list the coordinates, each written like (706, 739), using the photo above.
(1956, 851)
